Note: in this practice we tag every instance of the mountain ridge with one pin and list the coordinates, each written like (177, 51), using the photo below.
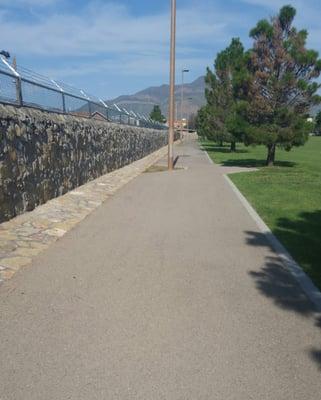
(144, 100)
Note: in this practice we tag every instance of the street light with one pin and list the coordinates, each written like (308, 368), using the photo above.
(182, 99)
(172, 87)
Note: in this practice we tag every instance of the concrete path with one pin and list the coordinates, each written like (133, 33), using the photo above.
(166, 291)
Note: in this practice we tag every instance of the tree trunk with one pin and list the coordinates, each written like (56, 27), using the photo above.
(233, 147)
(221, 143)
(271, 155)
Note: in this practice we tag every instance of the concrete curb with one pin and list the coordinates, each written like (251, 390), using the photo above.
(311, 291)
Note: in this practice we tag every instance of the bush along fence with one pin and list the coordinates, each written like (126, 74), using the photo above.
(22, 87)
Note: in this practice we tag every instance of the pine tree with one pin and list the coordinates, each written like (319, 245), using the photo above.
(282, 86)
(221, 95)
(203, 123)
(156, 114)
(218, 101)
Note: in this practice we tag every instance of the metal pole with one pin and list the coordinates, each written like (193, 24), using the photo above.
(19, 91)
(18, 83)
(106, 107)
(182, 102)
(62, 95)
(172, 87)
(63, 103)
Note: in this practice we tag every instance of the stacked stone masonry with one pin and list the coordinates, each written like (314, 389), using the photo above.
(44, 155)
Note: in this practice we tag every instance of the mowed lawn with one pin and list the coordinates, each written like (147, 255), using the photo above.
(287, 196)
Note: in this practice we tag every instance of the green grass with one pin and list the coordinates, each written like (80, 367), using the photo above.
(287, 196)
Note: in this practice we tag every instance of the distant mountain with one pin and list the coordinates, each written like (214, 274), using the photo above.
(143, 101)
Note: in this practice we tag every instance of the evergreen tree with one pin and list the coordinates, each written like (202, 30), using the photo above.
(221, 95)
(282, 87)
(203, 124)
(156, 114)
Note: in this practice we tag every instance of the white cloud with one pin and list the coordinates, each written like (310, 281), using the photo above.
(105, 29)
(105, 38)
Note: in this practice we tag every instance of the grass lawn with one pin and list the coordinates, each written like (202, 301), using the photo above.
(287, 196)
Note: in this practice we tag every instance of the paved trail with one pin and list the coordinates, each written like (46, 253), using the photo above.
(167, 291)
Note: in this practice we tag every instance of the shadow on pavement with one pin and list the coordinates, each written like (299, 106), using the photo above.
(276, 283)
(316, 356)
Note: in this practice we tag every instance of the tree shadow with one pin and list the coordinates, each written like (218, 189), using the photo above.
(316, 356)
(255, 163)
(246, 162)
(275, 281)
(302, 236)
(221, 149)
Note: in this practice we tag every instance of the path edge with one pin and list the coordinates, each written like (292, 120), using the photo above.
(305, 282)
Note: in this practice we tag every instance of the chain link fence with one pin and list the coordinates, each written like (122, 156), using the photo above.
(22, 87)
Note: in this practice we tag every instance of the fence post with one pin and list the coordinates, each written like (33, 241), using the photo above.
(89, 108)
(62, 95)
(13, 69)
(19, 91)
(63, 103)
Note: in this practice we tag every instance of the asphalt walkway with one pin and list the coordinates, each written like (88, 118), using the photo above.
(167, 291)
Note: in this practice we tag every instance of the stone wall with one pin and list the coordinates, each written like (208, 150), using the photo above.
(44, 155)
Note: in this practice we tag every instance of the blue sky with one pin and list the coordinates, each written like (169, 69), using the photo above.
(119, 47)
